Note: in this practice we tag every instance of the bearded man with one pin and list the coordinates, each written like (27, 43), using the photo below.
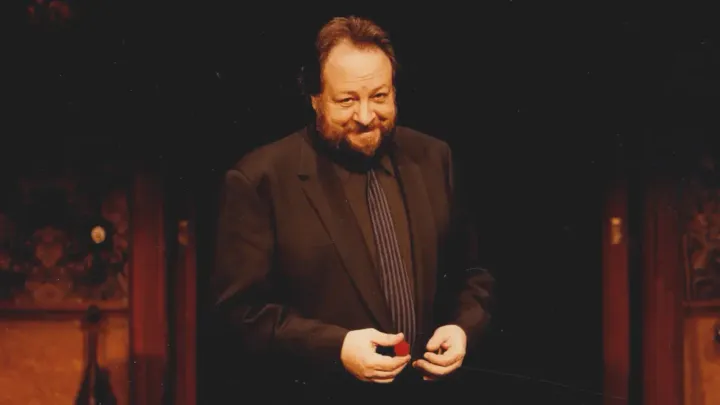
(337, 242)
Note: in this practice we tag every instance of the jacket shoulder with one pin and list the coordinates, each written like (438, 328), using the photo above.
(270, 158)
(419, 144)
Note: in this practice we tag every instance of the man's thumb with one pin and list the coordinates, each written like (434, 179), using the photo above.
(434, 343)
(387, 339)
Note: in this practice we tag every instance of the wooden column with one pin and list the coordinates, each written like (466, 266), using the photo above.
(616, 297)
(148, 309)
(663, 292)
(186, 315)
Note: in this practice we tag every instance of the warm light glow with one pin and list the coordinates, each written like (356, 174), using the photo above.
(98, 234)
(616, 231)
(183, 236)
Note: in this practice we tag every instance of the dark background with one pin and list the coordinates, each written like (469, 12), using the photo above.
(543, 105)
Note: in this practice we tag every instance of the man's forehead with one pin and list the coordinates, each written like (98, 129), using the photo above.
(350, 66)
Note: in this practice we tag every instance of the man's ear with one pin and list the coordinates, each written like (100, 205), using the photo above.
(315, 102)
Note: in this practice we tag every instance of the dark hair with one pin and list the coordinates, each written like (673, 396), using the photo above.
(360, 32)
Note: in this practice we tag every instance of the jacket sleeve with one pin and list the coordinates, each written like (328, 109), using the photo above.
(247, 301)
(468, 286)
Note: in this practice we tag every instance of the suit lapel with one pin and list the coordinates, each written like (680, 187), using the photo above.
(325, 193)
(422, 231)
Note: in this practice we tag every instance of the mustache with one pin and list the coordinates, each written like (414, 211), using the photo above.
(357, 127)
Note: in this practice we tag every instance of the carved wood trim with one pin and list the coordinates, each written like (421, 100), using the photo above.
(713, 304)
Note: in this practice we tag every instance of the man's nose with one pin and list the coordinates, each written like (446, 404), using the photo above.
(365, 114)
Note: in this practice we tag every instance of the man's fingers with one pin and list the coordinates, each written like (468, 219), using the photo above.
(387, 363)
(430, 368)
(381, 375)
(445, 360)
(384, 369)
(434, 369)
(386, 339)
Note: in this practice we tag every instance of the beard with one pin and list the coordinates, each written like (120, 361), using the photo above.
(352, 138)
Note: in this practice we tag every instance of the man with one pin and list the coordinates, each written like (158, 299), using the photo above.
(335, 241)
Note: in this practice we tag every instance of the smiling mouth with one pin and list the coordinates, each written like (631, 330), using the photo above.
(366, 133)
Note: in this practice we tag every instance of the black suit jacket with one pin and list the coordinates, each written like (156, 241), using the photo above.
(293, 272)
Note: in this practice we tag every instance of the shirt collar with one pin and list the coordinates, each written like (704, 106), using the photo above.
(384, 165)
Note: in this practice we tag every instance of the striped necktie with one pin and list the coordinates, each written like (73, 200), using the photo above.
(395, 281)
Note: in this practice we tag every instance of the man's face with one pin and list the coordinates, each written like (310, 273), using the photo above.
(357, 104)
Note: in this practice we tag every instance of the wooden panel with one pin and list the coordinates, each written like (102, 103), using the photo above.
(702, 359)
(616, 303)
(42, 360)
(148, 292)
(663, 282)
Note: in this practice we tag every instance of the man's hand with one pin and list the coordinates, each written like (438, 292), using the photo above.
(360, 358)
(445, 352)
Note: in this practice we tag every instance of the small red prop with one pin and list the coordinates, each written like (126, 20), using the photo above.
(402, 349)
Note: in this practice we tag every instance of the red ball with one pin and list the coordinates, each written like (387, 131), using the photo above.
(402, 349)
